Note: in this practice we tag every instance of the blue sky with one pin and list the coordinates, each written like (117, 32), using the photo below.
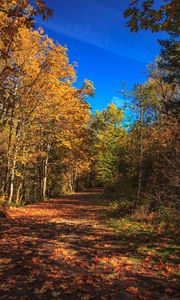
(98, 40)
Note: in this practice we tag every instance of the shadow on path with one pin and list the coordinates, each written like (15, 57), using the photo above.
(59, 249)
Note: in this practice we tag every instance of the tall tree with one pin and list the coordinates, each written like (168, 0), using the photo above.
(165, 17)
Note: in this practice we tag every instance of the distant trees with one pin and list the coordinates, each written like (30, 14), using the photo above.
(142, 162)
(108, 135)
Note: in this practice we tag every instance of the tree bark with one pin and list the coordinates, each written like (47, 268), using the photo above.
(141, 155)
(45, 177)
(12, 167)
(18, 193)
(11, 180)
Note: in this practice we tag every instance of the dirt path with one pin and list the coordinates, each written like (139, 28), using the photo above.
(60, 249)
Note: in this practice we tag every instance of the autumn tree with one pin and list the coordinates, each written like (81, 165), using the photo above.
(165, 17)
(151, 148)
(14, 17)
(70, 148)
(40, 110)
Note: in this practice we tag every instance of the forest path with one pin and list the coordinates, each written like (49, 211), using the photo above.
(60, 249)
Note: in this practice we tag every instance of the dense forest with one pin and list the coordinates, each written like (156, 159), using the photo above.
(89, 201)
(52, 144)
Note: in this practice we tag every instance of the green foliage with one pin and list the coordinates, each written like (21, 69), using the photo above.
(144, 160)
(108, 135)
(166, 218)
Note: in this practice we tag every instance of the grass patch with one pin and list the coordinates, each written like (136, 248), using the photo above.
(129, 226)
(139, 237)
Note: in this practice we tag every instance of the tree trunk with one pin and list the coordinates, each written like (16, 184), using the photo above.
(45, 178)
(12, 164)
(40, 179)
(9, 155)
(140, 173)
(141, 155)
(75, 177)
(11, 180)
(18, 193)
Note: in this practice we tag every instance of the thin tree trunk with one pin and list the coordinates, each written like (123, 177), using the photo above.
(141, 155)
(21, 187)
(40, 179)
(18, 193)
(9, 154)
(75, 177)
(140, 173)
(45, 178)
(13, 165)
(11, 180)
